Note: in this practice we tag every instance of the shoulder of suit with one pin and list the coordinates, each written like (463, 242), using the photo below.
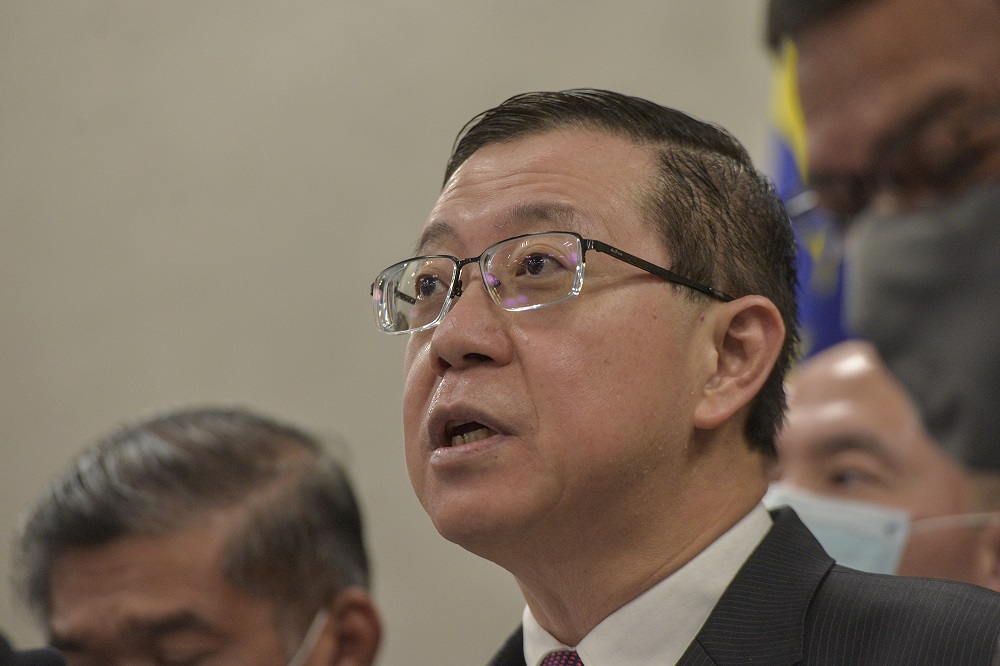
(913, 595)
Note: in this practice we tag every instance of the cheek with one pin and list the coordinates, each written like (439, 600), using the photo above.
(940, 554)
(413, 434)
(600, 386)
(563, 370)
(257, 639)
(936, 488)
(418, 387)
(414, 351)
(418, 384)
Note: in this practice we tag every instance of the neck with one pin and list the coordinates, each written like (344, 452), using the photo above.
(571, 584)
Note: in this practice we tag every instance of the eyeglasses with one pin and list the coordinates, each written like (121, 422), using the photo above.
(525, 272)
(940, 149)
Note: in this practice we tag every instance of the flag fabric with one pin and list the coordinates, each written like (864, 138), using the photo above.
(819, 237)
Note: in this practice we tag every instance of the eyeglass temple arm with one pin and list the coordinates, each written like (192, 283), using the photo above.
(656, 270)
(400, 295)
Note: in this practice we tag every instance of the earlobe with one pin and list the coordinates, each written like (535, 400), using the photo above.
(747, 336)
(355, 629)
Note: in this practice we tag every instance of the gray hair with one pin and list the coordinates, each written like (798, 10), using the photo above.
(299, 539)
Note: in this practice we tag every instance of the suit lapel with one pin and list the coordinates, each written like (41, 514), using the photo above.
(512, 652)
(761, 616)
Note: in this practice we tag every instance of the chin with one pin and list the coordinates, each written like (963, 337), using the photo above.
(480, 530)
(462, 526)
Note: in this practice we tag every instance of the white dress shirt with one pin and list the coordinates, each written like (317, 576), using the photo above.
(656, 627)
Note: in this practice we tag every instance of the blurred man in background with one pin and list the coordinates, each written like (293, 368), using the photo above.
(860, 469)
(202, 536)
(901, 106)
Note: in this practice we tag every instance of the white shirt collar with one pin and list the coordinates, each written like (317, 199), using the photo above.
(656, 627)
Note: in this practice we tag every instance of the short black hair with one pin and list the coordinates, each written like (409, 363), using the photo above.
(300, 540)
(719, 218)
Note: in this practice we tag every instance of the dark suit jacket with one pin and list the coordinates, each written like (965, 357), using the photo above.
(790, 604)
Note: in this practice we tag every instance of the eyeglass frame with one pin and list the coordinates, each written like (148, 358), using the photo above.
(455, 290)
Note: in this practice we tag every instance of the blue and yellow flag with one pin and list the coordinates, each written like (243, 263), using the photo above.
(819, 237)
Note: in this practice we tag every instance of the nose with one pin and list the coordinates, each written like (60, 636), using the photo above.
(473, 331)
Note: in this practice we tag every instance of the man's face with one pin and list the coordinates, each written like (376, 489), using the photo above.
(902, 102)
(160, 600)
(585, 405)
(852, 432)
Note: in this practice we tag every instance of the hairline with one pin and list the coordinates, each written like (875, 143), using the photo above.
(258, 483)
(659, 150)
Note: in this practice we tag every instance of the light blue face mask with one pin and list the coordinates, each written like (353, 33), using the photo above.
(859, 535)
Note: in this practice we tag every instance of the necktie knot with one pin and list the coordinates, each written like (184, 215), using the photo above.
(562, 658)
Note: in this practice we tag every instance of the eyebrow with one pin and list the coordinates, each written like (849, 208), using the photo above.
(856, 442)
(939, 105)
(520, 215)
(434, 233)
(926, 112)
(146, 628)
(183, 621)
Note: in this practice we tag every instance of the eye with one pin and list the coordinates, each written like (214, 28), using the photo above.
(859, 475)
(851, 478)
(428, 286)
(538, 263)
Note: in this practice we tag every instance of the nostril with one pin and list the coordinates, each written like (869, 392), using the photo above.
(440, 365)
(472, 358)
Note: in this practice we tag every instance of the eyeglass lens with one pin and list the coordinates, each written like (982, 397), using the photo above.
(520, 273)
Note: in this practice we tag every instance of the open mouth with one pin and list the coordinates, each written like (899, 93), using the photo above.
(465, 432)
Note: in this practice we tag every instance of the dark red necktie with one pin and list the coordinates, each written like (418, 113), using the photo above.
(562, 658)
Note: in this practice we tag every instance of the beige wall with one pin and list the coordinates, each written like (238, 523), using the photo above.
(196, 194)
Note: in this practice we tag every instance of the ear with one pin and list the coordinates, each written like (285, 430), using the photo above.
(747, 336)
(354, 632)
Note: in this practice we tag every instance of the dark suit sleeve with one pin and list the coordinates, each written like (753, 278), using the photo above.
(870, 619)
(791, 604)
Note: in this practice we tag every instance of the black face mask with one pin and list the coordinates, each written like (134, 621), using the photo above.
(924, 287)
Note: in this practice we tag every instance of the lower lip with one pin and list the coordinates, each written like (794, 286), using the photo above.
(461, 453)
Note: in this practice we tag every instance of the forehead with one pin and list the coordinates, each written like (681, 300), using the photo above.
(578, 180)
(859, 79)
(139, 577)
(850, 396)
(850, 377)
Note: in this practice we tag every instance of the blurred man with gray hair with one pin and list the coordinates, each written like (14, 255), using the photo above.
(202, 536)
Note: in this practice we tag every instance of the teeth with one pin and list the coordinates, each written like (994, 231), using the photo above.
(471, 436)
